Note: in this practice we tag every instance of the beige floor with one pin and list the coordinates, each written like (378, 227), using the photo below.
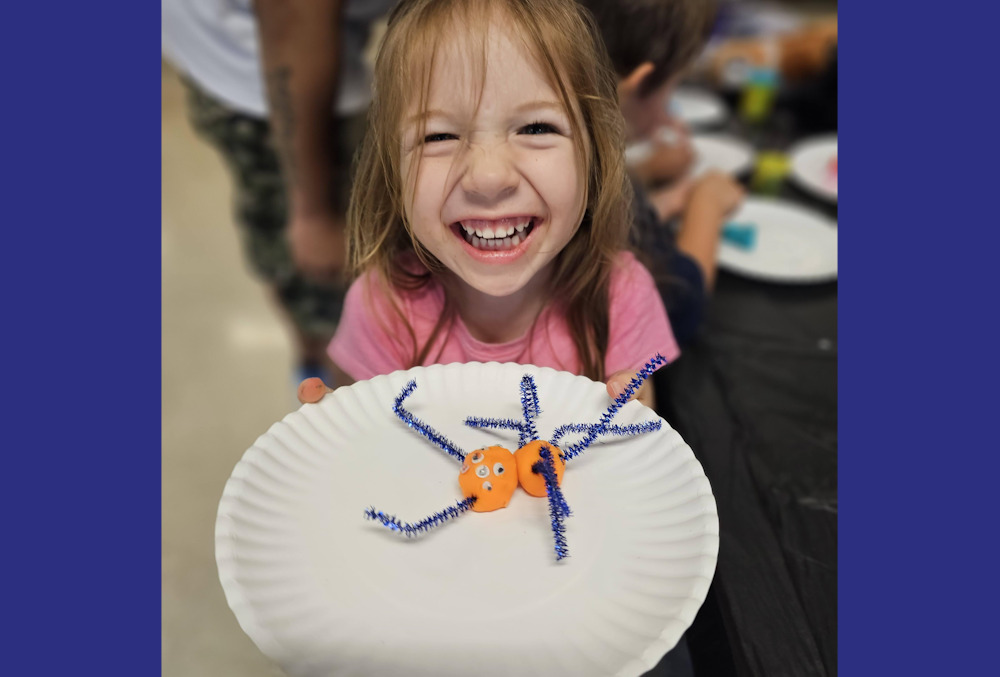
(226, 377)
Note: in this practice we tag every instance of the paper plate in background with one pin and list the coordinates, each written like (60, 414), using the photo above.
(712, 151)
(698, 107)
(722, 152)
(323, 591)
(794, 245)
(810, 166)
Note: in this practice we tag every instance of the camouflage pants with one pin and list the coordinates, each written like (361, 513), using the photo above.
(260, 204)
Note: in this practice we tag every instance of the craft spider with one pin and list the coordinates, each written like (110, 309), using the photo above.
(490, 475)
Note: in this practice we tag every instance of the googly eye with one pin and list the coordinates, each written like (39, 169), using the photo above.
(465, 468)
(476, 457)
(483, 471)
(487, 486)
(498, 469)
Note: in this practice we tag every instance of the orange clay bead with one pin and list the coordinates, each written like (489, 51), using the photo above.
(527, 456)
(490, 475)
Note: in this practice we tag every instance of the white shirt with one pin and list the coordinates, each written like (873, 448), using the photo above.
(215, 43)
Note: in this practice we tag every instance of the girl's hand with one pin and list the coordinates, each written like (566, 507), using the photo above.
(312, 390)
(620, 379)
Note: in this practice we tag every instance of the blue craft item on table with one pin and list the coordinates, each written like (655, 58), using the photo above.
(742, 235)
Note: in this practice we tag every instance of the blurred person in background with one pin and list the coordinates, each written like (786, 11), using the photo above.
(756, 35)
(280, 88)
(800, 49)
(677, 226)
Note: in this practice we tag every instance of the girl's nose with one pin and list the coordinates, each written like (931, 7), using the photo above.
(490, 174)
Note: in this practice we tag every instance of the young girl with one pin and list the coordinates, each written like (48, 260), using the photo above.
(491, 207)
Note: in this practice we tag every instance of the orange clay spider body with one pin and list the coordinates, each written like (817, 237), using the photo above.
(490, 475)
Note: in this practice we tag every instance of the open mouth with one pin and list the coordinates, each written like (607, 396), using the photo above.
(496, 235)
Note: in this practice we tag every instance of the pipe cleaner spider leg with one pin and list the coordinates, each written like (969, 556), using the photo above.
(626, 431)
(558, 508)
(422, 428)
(603, 426)
(488, 476)
(529, 407)
(410, 530)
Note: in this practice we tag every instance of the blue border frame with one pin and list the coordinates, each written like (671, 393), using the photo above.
(918, 242)
(81, 286)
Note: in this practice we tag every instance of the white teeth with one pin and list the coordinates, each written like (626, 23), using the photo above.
(496, 236)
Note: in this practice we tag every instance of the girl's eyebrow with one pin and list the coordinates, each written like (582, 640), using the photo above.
(541, 104)
(425, 115)
(536, 105)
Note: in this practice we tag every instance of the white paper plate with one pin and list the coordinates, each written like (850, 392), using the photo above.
(698, 107)
(810, 160)
(794, 245)
(722, 152)
(322, 591)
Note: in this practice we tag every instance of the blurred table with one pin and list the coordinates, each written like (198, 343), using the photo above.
(756, 398)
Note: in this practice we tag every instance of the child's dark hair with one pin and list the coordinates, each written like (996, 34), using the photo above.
(667, 33)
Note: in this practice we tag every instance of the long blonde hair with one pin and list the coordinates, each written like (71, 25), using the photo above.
(562, 37)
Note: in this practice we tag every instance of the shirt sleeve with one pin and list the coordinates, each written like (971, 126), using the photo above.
(365, 344)
(638, 324)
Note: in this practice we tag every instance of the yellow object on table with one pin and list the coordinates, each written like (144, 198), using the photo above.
(771, 169)
(758, 94)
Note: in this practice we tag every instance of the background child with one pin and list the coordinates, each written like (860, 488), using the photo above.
(651, 43)
(490, 214)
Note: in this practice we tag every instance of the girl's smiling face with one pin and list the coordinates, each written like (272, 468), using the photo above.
(494, 186)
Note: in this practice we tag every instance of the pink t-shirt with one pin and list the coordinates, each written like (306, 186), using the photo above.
(371, 339)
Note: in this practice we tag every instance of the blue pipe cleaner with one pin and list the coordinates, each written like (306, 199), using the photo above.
(623, 431)
(531, 409)
(526, 430)
(619, 402)
(419, 426)
(558, 508)
(411, 530)
(496, 423)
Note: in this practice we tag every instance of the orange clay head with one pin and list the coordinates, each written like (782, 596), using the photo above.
(527, 456)
(490, 474)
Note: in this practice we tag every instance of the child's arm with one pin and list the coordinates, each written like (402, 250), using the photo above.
(670, 201)
(665, 162)
(712, 199)
(638, 328)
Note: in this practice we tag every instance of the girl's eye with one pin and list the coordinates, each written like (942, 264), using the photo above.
(538, 128)
(433, 138)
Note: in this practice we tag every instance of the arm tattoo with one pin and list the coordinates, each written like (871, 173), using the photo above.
(283, 119)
